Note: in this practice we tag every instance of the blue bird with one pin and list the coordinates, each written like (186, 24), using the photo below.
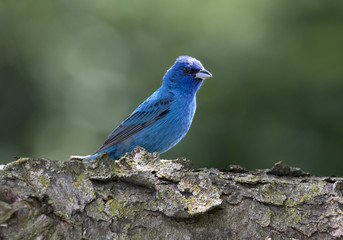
(163, 119)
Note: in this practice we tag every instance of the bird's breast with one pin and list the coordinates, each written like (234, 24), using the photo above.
(182, 112)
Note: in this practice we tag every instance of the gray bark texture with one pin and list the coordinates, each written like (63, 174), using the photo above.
(141, 196)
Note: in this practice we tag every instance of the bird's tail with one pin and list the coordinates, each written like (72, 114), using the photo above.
(111, 151)
(83, 158)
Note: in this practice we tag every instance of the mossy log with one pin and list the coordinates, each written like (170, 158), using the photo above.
(142, 196)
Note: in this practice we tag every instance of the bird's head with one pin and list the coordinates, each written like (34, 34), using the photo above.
(186, 74)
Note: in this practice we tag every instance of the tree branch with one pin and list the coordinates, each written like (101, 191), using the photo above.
(141, 196)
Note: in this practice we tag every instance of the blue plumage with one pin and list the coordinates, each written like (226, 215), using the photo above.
(164, 118)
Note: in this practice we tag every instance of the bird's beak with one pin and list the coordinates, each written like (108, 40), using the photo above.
(203, 74)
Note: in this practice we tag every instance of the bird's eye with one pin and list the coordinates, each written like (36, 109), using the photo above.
(187, 70)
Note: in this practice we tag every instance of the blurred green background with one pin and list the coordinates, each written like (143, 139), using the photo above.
(71, 71)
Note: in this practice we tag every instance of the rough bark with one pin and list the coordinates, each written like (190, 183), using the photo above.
(141, 196)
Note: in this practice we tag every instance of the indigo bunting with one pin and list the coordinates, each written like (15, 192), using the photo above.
(163, 119)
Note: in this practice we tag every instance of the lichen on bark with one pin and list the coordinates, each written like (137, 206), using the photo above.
(141, 196)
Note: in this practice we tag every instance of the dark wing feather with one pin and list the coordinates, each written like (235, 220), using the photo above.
(143, 117)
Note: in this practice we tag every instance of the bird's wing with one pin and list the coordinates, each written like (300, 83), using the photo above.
(142, 117)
